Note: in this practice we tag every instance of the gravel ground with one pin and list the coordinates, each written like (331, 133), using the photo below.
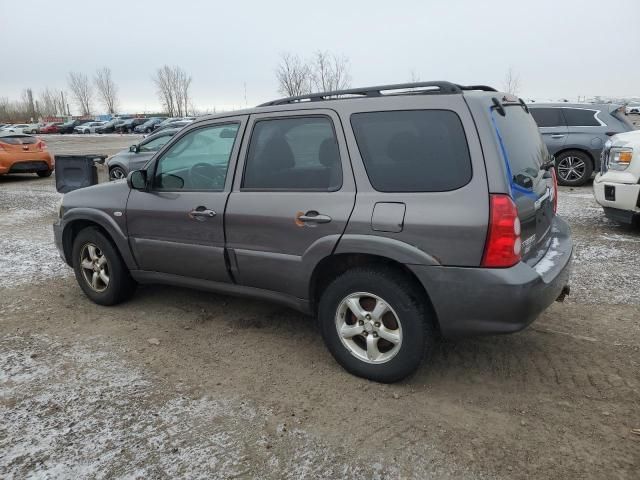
(178, 383)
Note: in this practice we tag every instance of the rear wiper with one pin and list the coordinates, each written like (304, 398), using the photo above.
(548, 165)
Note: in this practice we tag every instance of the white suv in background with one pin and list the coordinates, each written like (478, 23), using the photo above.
(617, 186)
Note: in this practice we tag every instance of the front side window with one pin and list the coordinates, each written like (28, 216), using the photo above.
(548, 117)
(155, 144)
(413, 150)
(298, 153)
(198, 161)
(577, 117)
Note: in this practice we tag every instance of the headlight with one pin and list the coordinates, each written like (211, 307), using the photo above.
(620, 158)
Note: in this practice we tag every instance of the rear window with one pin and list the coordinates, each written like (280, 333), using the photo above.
(548, 117)
(522, 145)
(18, 140)
(577, 117)
(621, 115)
(413, 150)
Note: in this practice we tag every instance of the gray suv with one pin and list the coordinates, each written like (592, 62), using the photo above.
(576, 133)
(394, 214)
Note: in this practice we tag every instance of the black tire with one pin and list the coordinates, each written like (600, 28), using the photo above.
(407, 303)
(120, 286)
(117, 173)
(33, 132)
(582, 172)
(44, 173)
(147, 130)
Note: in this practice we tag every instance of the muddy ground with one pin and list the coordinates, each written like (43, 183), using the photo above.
(178, 383)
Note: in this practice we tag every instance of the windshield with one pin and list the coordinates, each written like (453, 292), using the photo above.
(521, 144)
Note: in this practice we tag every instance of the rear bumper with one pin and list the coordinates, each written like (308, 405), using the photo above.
(26, 163)
(479, 301)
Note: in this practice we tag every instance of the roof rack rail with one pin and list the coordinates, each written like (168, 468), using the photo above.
(437, 87)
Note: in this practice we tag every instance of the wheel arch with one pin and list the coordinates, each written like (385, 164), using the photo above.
(332, 266)
(111, 230)
(576, 148)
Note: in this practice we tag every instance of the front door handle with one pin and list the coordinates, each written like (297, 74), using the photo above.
(312, 217)
(557, 135)
(201, 213)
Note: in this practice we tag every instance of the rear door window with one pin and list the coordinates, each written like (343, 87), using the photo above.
(413, 150)
(577, 117)
(548, 117)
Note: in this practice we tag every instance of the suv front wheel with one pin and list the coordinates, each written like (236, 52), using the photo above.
(574, 168)
(99, 270)
(375, 323)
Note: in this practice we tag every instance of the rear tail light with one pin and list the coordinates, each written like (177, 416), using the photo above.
(503, 247)
(41, 145)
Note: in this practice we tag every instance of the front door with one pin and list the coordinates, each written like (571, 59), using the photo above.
(177, 226)
(291, 200)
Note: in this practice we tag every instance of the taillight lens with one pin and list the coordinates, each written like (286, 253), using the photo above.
(503, 247)
(42, 145)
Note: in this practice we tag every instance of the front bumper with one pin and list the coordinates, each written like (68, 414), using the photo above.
(57, 237)
(478, 301)
(621, 201)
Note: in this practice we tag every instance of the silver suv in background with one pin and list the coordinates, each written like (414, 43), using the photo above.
(394, 214)
(576, 133)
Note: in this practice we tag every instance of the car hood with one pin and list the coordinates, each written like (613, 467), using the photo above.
(626, 139)
(104, 196)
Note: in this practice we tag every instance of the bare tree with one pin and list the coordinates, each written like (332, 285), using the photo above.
(511, 82)
(173, 84)
(414, 77)
(330, 72)
(29, 104)
(293, 75)
(48, 101)
(82, 91)
(107, 89)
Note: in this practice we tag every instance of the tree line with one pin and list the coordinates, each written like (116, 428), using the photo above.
(173, 85)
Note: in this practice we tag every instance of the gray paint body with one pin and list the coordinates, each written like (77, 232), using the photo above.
(253, 245)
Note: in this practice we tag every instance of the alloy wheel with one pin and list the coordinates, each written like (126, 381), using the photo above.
(571, 168)
(368, 327)
(117, 173)
(95, 267)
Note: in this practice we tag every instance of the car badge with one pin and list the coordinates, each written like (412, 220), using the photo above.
(25, 147)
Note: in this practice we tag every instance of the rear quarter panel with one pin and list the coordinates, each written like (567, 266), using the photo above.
(449, 227)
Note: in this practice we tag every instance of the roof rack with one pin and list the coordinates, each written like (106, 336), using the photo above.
(417, 88)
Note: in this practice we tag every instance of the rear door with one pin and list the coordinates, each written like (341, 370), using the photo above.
(531, 186)
(293, 195)
(552, 126)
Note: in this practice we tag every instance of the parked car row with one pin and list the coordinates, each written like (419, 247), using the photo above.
(122, 124)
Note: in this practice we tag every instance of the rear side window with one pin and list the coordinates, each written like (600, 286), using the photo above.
(548, 117)
(413, 150)
(577, 117)
(293, 154)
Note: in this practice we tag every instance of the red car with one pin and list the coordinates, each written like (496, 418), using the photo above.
(49, 128)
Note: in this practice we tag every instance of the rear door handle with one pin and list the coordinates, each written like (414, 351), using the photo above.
(312, 217)
(201, 213)
(557, 135)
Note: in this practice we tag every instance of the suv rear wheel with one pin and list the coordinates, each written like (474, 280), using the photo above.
(99, 270)
(375, 323)
(574, 168)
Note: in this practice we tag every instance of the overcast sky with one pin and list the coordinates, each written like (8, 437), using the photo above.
(560, 49)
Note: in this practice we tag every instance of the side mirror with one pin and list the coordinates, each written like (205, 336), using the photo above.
(133, 148)
(137, 180)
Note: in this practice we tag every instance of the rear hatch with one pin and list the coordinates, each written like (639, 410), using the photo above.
(20, 144)
(532, 187)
